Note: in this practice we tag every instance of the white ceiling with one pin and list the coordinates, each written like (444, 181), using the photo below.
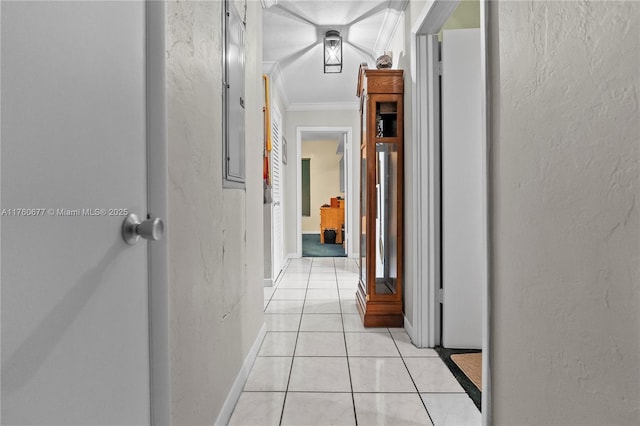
(293, 31)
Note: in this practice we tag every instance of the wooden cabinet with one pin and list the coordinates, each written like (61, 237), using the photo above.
(379, 295)
(332, 218)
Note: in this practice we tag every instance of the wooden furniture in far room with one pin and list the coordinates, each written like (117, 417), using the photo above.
(332, 218)
(337, 202)
(379, 295)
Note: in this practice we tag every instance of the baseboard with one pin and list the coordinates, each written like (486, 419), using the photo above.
(408, 328)
(241, 378)
(410, 331)
(310, 233)
(280, 274)
(268, 282)
(293, 256)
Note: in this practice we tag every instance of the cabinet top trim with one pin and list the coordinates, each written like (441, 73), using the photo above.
(380, 81)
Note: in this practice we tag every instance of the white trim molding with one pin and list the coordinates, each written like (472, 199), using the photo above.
(488, 25)
(433, 16)
(427, 193)
(392, 19)
(238, 384)
(157, 206)
(408, 328)
(293, 256)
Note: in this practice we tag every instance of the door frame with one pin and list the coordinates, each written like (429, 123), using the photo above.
(348, 132)
(157, 206)
(348, 191)
(426, 190)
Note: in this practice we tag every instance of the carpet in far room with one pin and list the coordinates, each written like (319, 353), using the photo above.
(311, 247)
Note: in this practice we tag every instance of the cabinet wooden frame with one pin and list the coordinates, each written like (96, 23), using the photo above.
(377, 87)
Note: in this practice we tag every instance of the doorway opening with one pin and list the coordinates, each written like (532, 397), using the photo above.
(450, 191)
(328, 239)
(325, 189)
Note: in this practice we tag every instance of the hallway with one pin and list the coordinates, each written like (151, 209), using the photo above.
(317, 362)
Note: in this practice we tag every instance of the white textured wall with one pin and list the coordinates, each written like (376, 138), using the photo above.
(325, 179)
(400, 45)
(215, 235)
(565, 221)
(295, 119)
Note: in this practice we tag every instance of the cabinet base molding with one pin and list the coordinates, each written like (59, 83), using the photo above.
(379, 313)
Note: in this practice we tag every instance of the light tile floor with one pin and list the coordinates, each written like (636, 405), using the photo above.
(319, 366)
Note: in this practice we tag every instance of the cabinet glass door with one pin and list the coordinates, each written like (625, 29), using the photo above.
(386, 226)
(363, 217)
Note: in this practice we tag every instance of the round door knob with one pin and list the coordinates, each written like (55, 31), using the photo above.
(133, 229)
(151, 229)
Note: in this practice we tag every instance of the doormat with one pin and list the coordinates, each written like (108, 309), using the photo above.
(469, 387)
(471, 366)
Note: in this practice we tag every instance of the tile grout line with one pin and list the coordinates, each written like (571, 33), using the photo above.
(346, 351)
(412, 380)
(271, 298)
(276, 284)
(347, 356)
(293, 357)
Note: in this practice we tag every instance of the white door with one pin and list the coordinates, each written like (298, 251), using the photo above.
(75, 332)
(276, 183)
(463, 253)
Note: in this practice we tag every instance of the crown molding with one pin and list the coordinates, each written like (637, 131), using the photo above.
(392, 19)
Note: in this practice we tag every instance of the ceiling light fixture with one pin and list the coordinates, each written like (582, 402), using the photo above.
(332, 52)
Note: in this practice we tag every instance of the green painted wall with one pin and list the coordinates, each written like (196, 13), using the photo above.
(466, 15)
(306, 187)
